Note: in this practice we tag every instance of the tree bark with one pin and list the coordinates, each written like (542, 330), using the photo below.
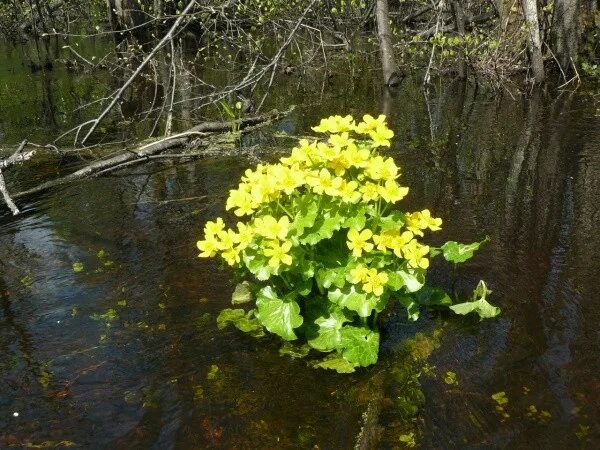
(459, 18)
(388, 62)
(566, 28)
(534, 42)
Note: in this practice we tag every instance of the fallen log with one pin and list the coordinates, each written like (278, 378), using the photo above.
(148, 151)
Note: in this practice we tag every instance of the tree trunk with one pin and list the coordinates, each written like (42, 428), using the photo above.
(388, 62)
(459, 18)
(566, 28)
(534, 42)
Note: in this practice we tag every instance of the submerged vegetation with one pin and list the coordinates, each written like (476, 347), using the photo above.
(326, 248)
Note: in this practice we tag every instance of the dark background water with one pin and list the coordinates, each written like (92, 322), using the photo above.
(126, 353)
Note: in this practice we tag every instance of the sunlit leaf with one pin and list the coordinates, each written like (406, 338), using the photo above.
(459, 253)
(329, 334)
(360, 345)
(335, 362)
(478, 305)
(350, 298)
(279, 316)
(241, 294)
(412, 281)
(242, 320)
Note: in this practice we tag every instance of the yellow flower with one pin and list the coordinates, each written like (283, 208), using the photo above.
(245, 235)
(286, 179)
(381, 136)
(415, 254)
(208, 247)
(433, 223)
(228, 239)
(271, 228)
(358, 274)
(358, 241)
(385, 240)
(301, 156)
(381, 169)
(231, 256)
(319, 181)
(327, 153)
(392, 192)
(339, 165)
(240, 199)
(400, 241)
(413, 223)
(339, 141)
(348, 192)
(369, 191)
(356, 157)
(211, 228)
(335, 187)
(422, 220)
(375, 281)
(278, 253)
(335, 124)
(369, 123)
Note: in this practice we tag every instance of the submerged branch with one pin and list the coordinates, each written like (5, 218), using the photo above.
(151, 150)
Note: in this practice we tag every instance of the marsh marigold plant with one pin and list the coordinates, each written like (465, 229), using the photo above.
(324, 245)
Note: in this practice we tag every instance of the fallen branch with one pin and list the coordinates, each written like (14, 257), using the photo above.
(148, 151)
(17, 156)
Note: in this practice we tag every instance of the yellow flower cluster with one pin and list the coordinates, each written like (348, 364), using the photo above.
(343, 168)
(401, 243)
(371, 280)
(418, 221)
(231, 243)
(376, 129)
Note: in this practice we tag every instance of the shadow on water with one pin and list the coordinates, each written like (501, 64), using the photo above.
(107, 317)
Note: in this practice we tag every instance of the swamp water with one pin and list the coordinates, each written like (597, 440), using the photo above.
(108, 334)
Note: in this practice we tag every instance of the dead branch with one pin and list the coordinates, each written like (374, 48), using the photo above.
(150, 150)
(166, 38)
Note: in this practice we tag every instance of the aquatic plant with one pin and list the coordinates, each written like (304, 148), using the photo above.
(325, 248)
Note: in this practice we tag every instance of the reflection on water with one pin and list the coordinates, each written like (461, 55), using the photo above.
(107, 318)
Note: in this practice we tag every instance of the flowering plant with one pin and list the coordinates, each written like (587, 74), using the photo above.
(326, 248)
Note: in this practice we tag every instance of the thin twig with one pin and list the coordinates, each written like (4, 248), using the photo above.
(133, 76)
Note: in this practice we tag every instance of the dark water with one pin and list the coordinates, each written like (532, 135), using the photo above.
(107, 317)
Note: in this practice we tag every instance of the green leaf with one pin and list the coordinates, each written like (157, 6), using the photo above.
(392, 221)
(336, 362)
(459, 253)
(360, 345)
(362, 303)
(325, 225)
(412, 281)
(329, 334)
(327, 277)
(429, 296)
(258, 265)
(478, 305)
(357, 219)
(412, 307)
(241, 294)
(308, 211)
(78, 267)
(243, 321)
(295, 351)
(277, 315)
